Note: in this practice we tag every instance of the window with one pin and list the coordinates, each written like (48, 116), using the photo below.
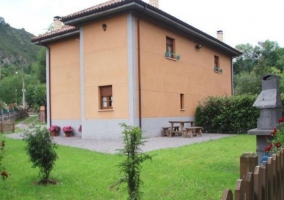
(170, 49)
(106, 97)
(217, 68)
(181, 101)
(170, 45)
(216, 62)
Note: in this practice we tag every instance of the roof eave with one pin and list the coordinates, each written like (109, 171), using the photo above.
(156, 14)
(49, 39)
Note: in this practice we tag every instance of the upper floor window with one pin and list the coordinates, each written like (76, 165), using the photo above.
(106, 97)
(170, 49)
(170, 45)
(216, 62)
(217, 68)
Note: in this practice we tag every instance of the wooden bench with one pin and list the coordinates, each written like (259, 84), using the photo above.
(166, 130)
(192, 130)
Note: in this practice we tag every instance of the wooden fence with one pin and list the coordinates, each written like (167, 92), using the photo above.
(13, 115)
(264, 182)
(7, 126)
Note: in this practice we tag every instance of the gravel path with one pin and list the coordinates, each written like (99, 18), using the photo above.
(111, 146)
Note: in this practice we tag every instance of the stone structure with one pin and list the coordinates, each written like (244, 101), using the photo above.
(270, 105)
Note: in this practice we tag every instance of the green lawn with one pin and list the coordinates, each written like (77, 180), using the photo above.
(198, 172)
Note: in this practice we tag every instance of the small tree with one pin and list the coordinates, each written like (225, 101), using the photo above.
(131, 167)
(41, 150)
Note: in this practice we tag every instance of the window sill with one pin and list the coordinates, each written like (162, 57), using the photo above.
(105, 110)
(169, 58)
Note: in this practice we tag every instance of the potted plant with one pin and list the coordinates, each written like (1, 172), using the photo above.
(54, 129)
(67, 130)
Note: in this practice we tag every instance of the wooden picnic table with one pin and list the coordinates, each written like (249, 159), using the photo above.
(181, 123)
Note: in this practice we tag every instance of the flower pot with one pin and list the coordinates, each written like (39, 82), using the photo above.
(53, 133)
(67, 134)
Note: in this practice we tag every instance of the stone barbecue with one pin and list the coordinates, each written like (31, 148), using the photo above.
(270, 106)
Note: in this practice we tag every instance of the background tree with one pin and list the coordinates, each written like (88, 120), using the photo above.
(39, 67)
(266, 57)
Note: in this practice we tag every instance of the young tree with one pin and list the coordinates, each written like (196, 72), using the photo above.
(131, 167)
(41, 150)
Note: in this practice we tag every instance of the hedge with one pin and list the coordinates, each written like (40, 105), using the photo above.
(227, 114)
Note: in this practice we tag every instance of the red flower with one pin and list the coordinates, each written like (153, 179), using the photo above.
(281, 120)
(277, 144)
(266, 138)
(273, 132)
(268, 148)
(4, 174)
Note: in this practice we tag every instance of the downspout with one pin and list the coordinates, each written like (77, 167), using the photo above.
(232, 76)
(139, 74)
(139, 70)
(49, 119)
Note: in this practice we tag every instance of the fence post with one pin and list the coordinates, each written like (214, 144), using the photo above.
(249, 181)
(281, 175)
(257, 183)
(248, 161)
(263, 172)
(239, 190)
(275, 176)
(227, 195)
(269, 168)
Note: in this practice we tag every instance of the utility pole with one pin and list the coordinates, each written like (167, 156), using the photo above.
(23, 90)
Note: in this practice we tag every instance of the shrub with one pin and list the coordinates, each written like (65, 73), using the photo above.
(41, 150)
(227, 114)
(131, 167)
(277, 134)
(4, 174)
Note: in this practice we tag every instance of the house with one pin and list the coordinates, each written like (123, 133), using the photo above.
(126, 61)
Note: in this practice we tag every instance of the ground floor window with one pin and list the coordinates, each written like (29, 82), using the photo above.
(106, 97)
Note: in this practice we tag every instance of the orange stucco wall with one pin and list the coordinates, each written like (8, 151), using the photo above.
(105, 63)
(163, 80)
(65, 79)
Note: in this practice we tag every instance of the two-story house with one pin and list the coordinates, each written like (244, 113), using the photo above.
(126, 61)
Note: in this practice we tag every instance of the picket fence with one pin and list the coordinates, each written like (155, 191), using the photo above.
(7, 126)
(259, 182)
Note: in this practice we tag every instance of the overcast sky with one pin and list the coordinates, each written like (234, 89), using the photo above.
(242, 21)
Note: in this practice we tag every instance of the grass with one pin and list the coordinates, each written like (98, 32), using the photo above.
(31, 119)
(199, 171)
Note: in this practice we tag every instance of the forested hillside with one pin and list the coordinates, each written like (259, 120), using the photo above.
(15, 46)
(22, 65)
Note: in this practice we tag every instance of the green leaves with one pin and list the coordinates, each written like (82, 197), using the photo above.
(227, 114)
(41, 150)
(131, 166)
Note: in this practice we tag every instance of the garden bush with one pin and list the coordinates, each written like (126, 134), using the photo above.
(3, 174)
(227, 114)
(41, 150)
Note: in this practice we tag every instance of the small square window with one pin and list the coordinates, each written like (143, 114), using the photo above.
(106, 100)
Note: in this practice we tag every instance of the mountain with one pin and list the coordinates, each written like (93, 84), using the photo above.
(15, 45)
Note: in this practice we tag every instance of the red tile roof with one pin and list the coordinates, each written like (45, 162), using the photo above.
(65, 29)
(93, 8)
(72, 28)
